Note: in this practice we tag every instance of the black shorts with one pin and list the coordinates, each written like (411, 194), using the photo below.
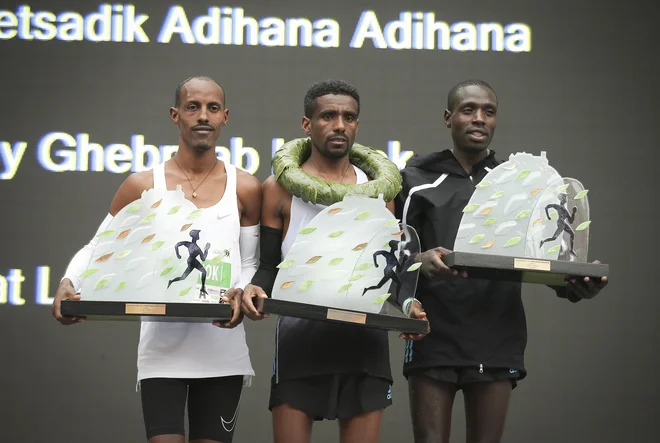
(212, 406)
(332, 397)
(462, 376)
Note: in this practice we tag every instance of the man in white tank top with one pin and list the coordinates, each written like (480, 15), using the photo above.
(321, 370)
(201, 365)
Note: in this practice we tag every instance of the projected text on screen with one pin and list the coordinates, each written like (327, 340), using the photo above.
(63, 152)
(123, 23)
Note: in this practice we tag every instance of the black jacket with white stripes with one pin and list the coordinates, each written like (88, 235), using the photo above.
(474, 323)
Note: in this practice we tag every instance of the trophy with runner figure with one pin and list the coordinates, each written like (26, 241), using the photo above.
(159, 259)
(525, 222)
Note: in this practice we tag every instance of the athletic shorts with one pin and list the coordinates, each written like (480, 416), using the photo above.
(333, 397)
(462, 376)
(212, 406)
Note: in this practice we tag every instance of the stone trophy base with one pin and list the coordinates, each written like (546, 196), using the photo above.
(390, 318)
(523, 269)
(164, 312)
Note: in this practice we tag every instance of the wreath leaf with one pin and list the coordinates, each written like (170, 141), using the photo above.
(286, 167)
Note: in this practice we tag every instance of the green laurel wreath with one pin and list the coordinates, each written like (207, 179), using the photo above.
(286, 167)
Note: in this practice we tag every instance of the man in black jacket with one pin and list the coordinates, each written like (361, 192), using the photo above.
(478, 327)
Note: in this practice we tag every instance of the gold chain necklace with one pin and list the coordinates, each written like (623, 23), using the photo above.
(194, 193)
(323, 176)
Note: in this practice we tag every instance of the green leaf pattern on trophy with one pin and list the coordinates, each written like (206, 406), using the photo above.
(553, 249)
(523, 214)
(580, 195)
(512, 242)
(391, 223)
(121, 286)
(584, 225)
(286, 264)
(414, 267)
(523, 174)
(88, 272)
(195, 214)
(123, 254)
(306, 285)
(477, 238)
(148, 218)
(382, 298)
(335, 261)
(157, 245)
(107, 233)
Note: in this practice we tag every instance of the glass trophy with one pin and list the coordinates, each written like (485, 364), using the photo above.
(527, 223)
(160, 259)
(354, 262)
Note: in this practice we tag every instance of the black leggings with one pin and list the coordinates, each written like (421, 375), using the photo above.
(213, 405)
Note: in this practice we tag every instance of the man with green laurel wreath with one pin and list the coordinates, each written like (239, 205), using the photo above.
(323, 370)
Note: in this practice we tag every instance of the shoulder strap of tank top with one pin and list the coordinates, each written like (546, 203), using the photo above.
(360, 175)
(231, 187)
(159, 176)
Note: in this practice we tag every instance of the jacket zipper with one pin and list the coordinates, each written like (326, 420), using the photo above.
(481, 368)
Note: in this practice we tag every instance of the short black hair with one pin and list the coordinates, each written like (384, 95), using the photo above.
(177, 93)
(453, 92)
(328, 87)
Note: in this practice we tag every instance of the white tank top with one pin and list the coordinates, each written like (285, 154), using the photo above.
(301, 348)
(302, 213)
(199, 350)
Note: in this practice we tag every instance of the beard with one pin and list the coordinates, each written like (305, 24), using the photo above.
(201, 147)
(335, 153)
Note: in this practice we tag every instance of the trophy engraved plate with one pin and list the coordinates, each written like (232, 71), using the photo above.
(145, 309)
(352, 317)
(532, 265)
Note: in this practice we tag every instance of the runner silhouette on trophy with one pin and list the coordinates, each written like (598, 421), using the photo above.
(562, 217)
(193, 252)
(392, 268)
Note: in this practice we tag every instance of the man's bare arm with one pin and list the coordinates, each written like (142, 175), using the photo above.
(131, 190)
(274, 197)
(248, 189)
(390, 206)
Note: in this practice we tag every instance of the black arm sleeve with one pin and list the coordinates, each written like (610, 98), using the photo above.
(270, 255)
